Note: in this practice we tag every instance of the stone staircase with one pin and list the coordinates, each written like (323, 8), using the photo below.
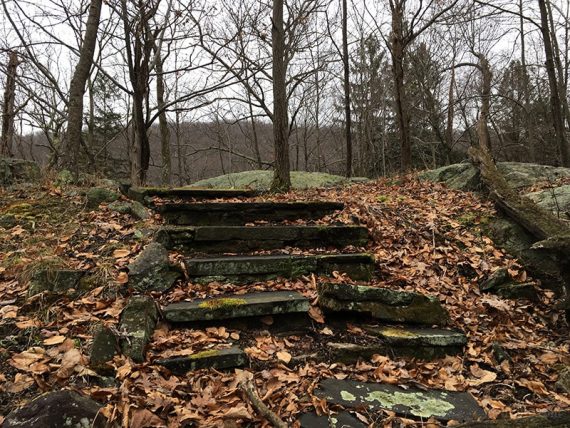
(219, 241)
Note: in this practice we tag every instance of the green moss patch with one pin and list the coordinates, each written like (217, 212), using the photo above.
(222, 303)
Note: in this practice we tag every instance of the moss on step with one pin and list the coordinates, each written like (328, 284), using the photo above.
(222, 303)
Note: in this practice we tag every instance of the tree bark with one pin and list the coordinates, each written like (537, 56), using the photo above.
(163, 125)
(347, 110)
(72, 138)
(402, 117)
(555, 103)
(8, 114)
(282, 176)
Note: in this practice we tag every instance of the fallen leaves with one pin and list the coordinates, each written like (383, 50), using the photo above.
(481, 376)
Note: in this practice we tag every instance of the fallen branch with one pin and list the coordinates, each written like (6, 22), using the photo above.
(247, 386)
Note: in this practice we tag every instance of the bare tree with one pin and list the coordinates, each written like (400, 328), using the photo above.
(8, 112)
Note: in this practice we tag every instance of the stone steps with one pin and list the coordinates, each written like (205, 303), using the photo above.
(237, 306)
(409, 402)
(381, 303)
(210, 359)
(243, 239)
(240, 213)
(244, 269)
(144, 194)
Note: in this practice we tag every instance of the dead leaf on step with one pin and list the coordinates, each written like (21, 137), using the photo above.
(71, 360)
(284, 356)
(238, 412)
(121, 253)
(21, 383)
(316, 314)
(54, 340)
(143, 418)
(482, 376)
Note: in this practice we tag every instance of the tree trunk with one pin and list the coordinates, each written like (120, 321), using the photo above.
(282, 177)
(347, 111)
(482, 125)
(402, 116)
(163, 125)
(72, 138)
(8, 114)
(555, 103)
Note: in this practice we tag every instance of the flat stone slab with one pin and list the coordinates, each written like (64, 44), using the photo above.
(337, 420)
(238, 306)
(240, 213)
(409, 402)
(349, 353)
(241, 239)
(143, 194)
(211, 359)
(244, 269)
(422, 343)
(381, 303)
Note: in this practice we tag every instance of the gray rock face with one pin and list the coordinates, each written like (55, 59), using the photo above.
(137, 323)
(464, 176)
(97, 195)
(556, 200)
(57, 281)
(104, 348)
(381, 303)
(152, 271)
(18, 171)
(56, 410)
(409, 402)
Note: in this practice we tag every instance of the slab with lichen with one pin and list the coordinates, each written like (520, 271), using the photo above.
(409, 402)
(208, 359)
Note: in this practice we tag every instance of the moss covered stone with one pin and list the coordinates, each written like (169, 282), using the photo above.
(105, 346)
(58, 409)
(212, 359)
(381, 303)
(57, 281)
(152, 271)
(409, 402)
(14, 171)
(137, 321)
(97, 195)
(246, 305)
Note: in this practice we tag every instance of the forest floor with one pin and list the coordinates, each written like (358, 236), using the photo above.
(425, 238)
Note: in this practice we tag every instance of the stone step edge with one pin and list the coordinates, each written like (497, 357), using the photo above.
(220, 359)
(234, 306)
(358, 266)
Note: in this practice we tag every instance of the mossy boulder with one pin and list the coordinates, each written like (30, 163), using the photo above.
(556, 200)
(58, 281)
(132, 208)
(152, 271)
(261, 180)
(464, 176)
(14, 171)
(97, 195)
(58, 409)
(138, 320)
(381, 303)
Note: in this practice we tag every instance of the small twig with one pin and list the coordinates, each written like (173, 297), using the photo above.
(259, 406)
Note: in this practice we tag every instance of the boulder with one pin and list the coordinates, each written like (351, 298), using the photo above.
(381, 303)
(152, 271)
(58, 409)
(97, 195)
(133, 208)
(137, 322)
(14, 171)
(465, 176)
(57, 281)
(556, 200)
(563, 383)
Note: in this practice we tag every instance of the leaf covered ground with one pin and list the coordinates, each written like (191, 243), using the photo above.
(425, 238)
